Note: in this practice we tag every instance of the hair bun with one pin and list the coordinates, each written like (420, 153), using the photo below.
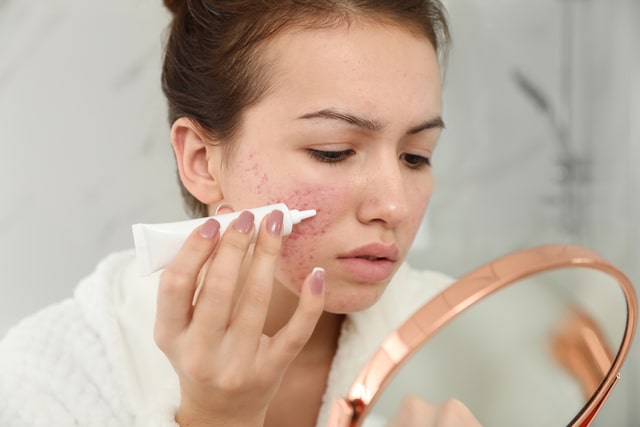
(175, 6)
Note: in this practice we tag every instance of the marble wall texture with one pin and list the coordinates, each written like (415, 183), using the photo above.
(542, 104)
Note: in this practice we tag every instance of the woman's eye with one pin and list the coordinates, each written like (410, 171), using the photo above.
(330, 156)
(415, 161)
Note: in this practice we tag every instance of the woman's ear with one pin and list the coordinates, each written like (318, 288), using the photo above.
(198, 162)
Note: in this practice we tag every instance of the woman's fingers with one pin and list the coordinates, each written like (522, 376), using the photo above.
(288, 342)
(178, 282)
(230, 310)
(247, 322)
(216, 300)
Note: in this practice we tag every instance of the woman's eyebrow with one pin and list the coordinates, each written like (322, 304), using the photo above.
(352, 119)
(436, 123)
(366, 123)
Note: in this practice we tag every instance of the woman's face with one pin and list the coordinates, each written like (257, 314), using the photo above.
(347, 129)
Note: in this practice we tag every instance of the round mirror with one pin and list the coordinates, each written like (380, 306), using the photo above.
(534, 338)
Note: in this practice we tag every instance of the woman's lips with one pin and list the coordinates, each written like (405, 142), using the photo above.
(368, 270)
(374, 262)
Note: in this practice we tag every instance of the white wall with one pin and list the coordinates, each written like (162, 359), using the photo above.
(85, 149)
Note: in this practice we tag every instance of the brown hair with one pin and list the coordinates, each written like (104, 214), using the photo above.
(213, 69)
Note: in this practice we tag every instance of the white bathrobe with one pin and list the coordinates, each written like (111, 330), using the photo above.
(90, 360)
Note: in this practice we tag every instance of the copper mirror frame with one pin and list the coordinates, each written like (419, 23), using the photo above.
(397, 348)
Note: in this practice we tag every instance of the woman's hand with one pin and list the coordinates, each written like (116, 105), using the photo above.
(229, 370)
(416, 412)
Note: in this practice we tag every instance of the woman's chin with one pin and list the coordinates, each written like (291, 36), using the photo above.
(345, 301)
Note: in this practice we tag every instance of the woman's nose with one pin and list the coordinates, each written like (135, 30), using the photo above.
(384, 196)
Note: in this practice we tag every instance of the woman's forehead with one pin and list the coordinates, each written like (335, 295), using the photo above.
(361, 68)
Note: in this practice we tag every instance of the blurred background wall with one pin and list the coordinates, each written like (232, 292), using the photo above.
(542, 104)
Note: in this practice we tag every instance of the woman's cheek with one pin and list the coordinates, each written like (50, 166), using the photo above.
(301, 249)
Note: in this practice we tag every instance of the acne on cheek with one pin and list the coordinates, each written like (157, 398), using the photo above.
(325, 202)
(305, 196)
(298, 254)
(260, 180)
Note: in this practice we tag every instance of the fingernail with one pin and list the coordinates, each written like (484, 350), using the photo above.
(317, 281)
(274, 222)
(209, 228)
(244, 222)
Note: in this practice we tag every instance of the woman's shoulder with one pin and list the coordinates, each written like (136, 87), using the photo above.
(53, 364)
(41, 330)
(103, 288)
(104, 280)
(59, 358)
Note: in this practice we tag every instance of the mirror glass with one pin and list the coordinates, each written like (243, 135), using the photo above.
(532, 353)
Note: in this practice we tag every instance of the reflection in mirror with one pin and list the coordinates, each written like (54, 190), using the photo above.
(531, 354)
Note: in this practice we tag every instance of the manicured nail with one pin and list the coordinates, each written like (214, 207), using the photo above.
(209, 229)
(274, 222)
(317, 281)
(244, 222)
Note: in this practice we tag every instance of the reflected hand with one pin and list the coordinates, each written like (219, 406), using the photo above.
(416, 412)
(228, 369)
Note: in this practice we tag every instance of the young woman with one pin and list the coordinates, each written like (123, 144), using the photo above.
(320, 104)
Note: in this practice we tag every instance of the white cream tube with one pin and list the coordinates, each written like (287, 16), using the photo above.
(157, 244)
